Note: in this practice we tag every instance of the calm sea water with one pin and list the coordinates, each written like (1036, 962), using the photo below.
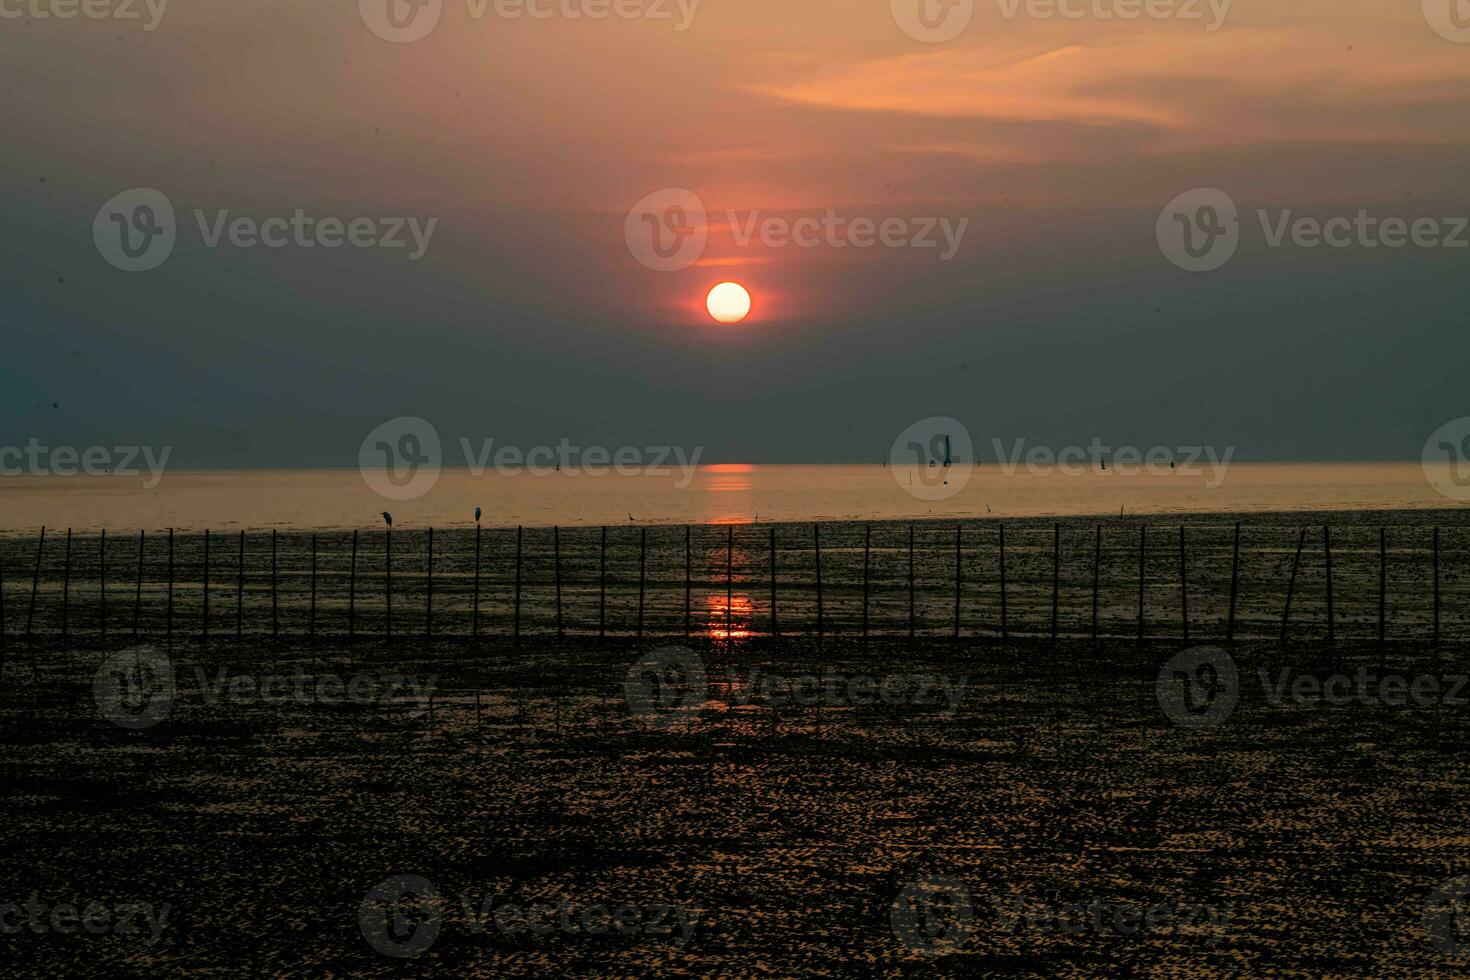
(338, 499)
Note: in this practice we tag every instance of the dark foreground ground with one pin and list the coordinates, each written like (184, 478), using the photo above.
(1055, 822)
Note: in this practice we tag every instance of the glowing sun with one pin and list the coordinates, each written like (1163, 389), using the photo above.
(729, 302)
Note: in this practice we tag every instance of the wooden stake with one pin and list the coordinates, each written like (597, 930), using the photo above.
(101, 590)
(729, 579)
(688, 571)
(429, 590)
(1183, 586)
(387, 576)
(138, 593)
(204, 618)
(642, 569)
(519, 536)
(817, 560)
(352, 591)
(35, 583)
(912, 624)
(1382, 587)
(1327, 551)
(1004, 619)
(311, 627)
(1142, 573)
(867, 545)
(1291, 584)
(1096, 575)
(240, 590)
(475, 614)
(775, 625)
(1056, 576)
(1234, 586)
(556, 562)
(275, 625)
(1436, 586)
(66, 587)
(958, 577)
(602, 589)
(168, 622)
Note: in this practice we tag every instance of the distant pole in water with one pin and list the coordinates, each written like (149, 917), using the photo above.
(35, 583)
(1234, 586)
(1436, 586)
(867, 546)
(138, 592)
(1291, 584)
(1142, 574)
(66, 586)
(1096, 574)
(642, 569)
(775, 623)
(204, 618)
(168, 627)
(912, 624)
(519, 536)
(1183, 585)
(1056, 575)
(429, 589)
(1327, 553)
(1004, 619)
(556, 563)
(275, 626)
(240, 590)
(958, 574)
(817, 562)
(352, 591)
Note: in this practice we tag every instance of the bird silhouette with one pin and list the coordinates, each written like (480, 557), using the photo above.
(477, 515)
(388, 517)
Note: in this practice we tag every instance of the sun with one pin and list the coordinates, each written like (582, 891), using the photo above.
(729, 302)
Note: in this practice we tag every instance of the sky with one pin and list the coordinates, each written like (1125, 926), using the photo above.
(1051, 148)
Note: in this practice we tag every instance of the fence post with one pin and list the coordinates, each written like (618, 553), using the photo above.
(1142, 574)
(387, 576)
(911, 582)
(275, 624)
(204, 618)
(66, 587)
(101, 591)
(519, 536)
(1004, 618)
(475, 609)
(958, 575)
(642, 574)
(556, 561)
(1183, 585)
(2, 602)
(352, 590)
(602, 588)
(429, 590)
(1382, 588)
(867, 544)
(1056, 576)
(35, 583)
(817, 553)
(1234, 586)
(1096, 575)
(312, 622)
(1436, 586)
(138, 592)
(168, 622)
(729, 578)
(240, 590)
(1327, 550)
(1291, 584)
(775, 624)
(688, 573)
